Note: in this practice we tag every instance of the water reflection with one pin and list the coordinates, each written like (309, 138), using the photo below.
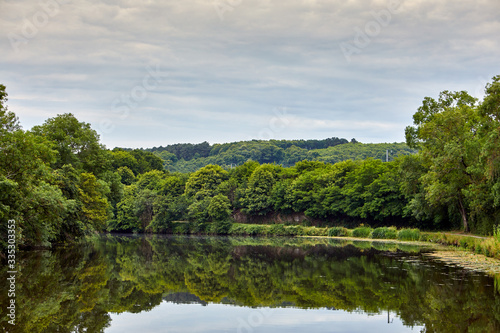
(96, 286)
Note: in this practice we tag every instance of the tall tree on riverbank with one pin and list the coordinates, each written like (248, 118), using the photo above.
(458, 140)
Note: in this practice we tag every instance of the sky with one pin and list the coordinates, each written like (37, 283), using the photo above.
(157, 72)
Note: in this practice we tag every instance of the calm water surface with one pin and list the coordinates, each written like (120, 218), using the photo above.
(215, 284)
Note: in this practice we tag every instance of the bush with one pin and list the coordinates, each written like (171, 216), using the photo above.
(254, 230)
(338, 232)
(296, 230)
(384, 233)
(198, 227)
(180, 228)
(313, 231)
(236, 229)
(221, 227)
(496, 232)
(276, 230)
(409, 234)
(362, 232)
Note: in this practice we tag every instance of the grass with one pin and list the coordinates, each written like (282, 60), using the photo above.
(488, 246)
(409, 234)
(362, 231)
(338, 232)
(385, 233)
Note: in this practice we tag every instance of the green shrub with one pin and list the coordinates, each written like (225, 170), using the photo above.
(496, 232)
(296, 230)
(198, 227)
(313, 231)
(338, 232)
(255, 230)
(237, 229)
(410, 235)
(276, 230)
(306, 223)
(180, 228)
(384, 233)
(221, 227)
(362, 232)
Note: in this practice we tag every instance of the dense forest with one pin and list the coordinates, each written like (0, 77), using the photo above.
(60, 183)
(188, 157)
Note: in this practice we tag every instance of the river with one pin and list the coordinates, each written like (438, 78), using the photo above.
(220, 284)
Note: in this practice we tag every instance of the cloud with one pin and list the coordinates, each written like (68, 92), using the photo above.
(229, 71)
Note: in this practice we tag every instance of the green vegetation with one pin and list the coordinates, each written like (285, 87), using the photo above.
(362, 232)
(385, 233)
(189, 157)
(59, 183)
(409, 234)
(338, 232)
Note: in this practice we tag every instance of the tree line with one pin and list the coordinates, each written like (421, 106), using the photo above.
(60, 183)
(188, 151)
(188, 158)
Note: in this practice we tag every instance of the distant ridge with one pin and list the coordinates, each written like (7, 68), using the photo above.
(188, 157)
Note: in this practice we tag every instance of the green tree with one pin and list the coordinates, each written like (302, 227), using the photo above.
(445, 131)
(126, 175)
(257, 198)
(219, 208)
(8, 120)
(205, 181)
(95, 206)
(76, 143)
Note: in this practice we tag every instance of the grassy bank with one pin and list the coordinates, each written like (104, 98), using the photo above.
(488, 246)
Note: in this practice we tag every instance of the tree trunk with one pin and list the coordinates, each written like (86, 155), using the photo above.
(464, 215)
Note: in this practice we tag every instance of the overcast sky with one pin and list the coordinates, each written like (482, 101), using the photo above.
(156, 72)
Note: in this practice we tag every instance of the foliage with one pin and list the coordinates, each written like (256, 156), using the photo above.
(338, 232)
(219, 208)
(496, 232)
(384, 233)
(76, 143)
(60, 183)
(362, 232)
(456, 136)
(407, 234)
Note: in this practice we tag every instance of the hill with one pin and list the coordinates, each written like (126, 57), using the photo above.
(186, 157)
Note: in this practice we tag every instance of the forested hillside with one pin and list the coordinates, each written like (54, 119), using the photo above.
(191, 157)
(59, 183)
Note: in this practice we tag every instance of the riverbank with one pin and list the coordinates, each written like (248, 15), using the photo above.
(486, 246)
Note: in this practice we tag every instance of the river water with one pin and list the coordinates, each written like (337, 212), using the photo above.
(118, 284)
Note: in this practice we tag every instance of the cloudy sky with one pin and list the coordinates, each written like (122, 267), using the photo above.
(156, 72)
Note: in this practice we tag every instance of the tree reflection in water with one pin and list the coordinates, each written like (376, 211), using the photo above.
(75, 288)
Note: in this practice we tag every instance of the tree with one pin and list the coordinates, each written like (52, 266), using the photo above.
(257, 198)
(95, 206)
(76, 143)
(8, 120)
(219, 208)
(126, 175)
(449, 132)
(205, 181)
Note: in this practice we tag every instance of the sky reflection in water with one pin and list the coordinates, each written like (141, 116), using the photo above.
(173, 318)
